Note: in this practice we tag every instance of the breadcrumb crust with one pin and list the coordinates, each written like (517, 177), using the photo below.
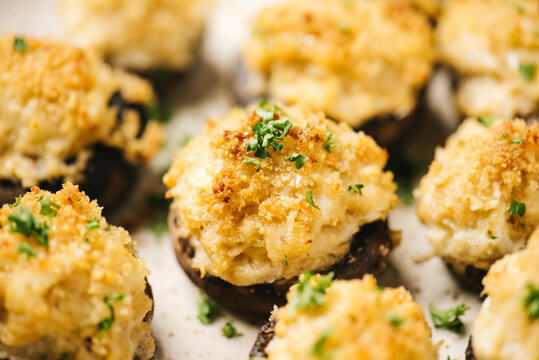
(359, 313)
(51, 303)
(250, 226)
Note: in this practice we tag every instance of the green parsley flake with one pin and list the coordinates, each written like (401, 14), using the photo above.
(158, 225)
(356, 189)
(493, 237)
(20, 44)
(16, 203)
(27, 249)
(310, 200)
(516, 141)
(486, 121)
(93, 224)
(395, 319)
(48, 208)
(521, 8)
(504, 135)
(330, 144)
(228, 330)
(207, 310)
(252, 161)
(286, 260)
(448, 319)
(517, 208)
(298, 159)
(318, 347)
(159, 112)
(274, 126)
(24, 222)
(528, 71)
(531, 302)
(305, 295)
(343, 27)
(108, 227)
(65, 356)
(105, 324)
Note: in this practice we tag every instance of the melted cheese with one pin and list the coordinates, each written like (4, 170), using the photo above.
(52, 303)
(354, 60)
(359, 314)
(465, 197)
(246, 225)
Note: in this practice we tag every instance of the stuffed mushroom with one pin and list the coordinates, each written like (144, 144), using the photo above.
(71, 285)
(345, 320)
(507, 326)
(66, 116)
(493, 48)
(270, 191)
(480, 198)
(361, 62)
(139, 35)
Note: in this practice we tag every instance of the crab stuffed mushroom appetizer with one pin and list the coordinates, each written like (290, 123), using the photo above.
(493, 48)
(345, 320)
(141, 35)
(67, 116)
(362, 62)
(270, 191)
(71, 285)
(507, 326)
(480, 198)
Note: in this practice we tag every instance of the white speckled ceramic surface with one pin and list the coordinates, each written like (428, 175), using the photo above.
(203, 92)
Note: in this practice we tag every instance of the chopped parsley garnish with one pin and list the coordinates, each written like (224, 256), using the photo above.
(395, 319)
(184, 140)
(158, 225)
(528, 71)
(493, 237)
(356, 189)
(48, 208)
(448, 319)
(105, 324)
(330, 144)
(20, 44)
(93, 224)
(318, 347)
(228, 330)
(504, 135)
(521, 8)
(531, 302)
(65, 356)
(517, 208)
(298, 159)
(24, 222)
(27, 249)
(343, 27)
(486, 121)
(17, 202)
(207, 310)
(159, 112)
(309, 197)
(274, 126)
(252, 161)
(305, 295)
(516, 141)
(108, 227)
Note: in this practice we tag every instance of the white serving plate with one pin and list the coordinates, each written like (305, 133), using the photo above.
(204, 93)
